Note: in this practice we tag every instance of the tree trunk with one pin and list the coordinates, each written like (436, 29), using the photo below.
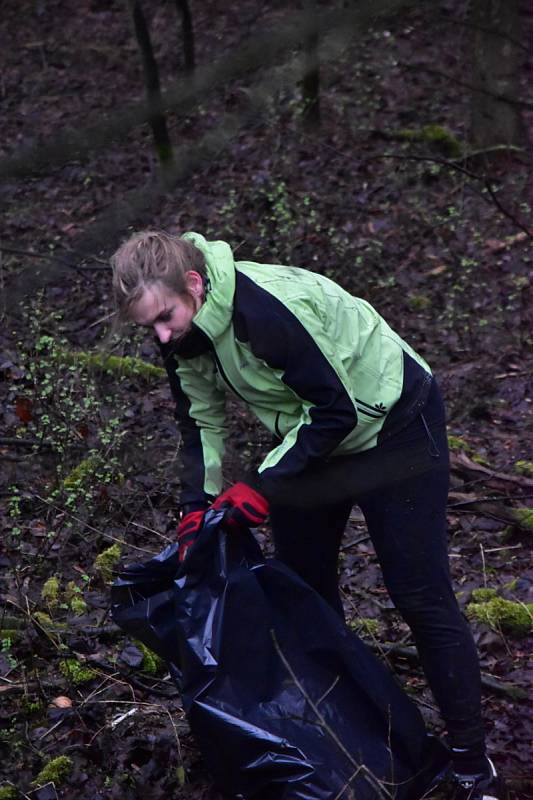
(188, 33)
(157, 119)
(311, 78)
(495, 116)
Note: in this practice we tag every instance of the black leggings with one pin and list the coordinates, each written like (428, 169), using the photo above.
(405, 484)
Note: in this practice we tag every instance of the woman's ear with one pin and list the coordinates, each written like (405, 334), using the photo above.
(195, 283)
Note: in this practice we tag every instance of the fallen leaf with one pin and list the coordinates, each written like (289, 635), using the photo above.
(23, 407)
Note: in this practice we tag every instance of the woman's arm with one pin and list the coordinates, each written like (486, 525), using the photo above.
(200, 412)
(292, 340)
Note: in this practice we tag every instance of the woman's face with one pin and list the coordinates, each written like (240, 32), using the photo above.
(169, 314)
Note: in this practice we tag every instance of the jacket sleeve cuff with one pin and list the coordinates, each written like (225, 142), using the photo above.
(186, 508)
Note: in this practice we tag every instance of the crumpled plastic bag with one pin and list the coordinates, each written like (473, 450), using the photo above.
(284, 700)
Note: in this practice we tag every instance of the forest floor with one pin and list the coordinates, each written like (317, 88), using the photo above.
(435, 240)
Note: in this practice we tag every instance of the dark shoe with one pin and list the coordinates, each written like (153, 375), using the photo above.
(480, 787)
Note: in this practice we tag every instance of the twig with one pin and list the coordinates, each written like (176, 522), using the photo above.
(150, 530)
(323, 697)
(367, 775)
(449, 165)
(499, 498)
(503, 98)
(355, 542)
(49, 257)
(493, 31)
(484, 566)
(90, 527)
(458, 168)
(488, 681)
(7, 440)
(463, 462)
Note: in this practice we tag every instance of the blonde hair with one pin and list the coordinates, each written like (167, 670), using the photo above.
(148, 257)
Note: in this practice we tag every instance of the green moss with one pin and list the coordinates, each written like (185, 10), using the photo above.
(366, 625)
(482, 595)
(76, 672)
(85, 469)
(126, 366)
(151, 663)
(74, 597)
(524, 517)
(8, 793)
(441, 138)
(50, 592)
(524, 467)
(31, 706)
(9, 634)
(72, 590)
(107, 560)
(46, 622)
(504, 615)
(419, 302)
(56, 771)
(479, 459)
(458, 443)
(78, 606)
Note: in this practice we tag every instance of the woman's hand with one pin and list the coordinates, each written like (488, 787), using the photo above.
(187, 532)
(247, 508)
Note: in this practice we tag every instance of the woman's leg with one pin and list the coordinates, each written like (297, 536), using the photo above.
(407, 523)
(308, 541)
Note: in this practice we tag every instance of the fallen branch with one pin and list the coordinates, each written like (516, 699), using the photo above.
(19, 442)
(372, 780)
(460, 461)
(488, 681)
(51, 257)
(493, 199)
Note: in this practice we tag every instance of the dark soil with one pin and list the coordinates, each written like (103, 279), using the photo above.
(439, 246)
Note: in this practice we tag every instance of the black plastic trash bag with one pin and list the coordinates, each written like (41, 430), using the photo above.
(284, 701)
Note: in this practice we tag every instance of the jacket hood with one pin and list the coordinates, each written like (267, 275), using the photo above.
(214, 316)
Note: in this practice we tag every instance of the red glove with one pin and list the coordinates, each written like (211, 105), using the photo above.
(248, 508)
(188, 531)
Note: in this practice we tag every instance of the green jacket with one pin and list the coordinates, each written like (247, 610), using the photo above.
(320, 368)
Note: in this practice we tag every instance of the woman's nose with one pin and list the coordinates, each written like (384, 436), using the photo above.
(162, 332)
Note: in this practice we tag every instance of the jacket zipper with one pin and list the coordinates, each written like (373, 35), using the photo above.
(224, 376)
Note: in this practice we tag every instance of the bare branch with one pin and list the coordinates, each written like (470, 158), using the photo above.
(359, 768)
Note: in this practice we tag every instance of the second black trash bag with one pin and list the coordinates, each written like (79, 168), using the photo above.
(284, 701)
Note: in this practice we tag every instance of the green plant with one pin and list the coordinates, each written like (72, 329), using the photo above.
(72, 413)
(504, 616)
(50, 592)
(56, 771)
(482, 595)
(458, 443)
(524, 467)
(438, 136)
(106, 561)
(524, 517)
(278, 222)
(366, 625)
(74, 598)
(5, 648)
(151, 663)
(75, 672)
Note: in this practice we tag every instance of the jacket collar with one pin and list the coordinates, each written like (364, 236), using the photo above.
(214, 316)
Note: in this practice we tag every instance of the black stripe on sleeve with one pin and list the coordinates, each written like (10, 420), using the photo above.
(192, 473)
(276, 336)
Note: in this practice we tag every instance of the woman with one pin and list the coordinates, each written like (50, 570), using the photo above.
(357, 417)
